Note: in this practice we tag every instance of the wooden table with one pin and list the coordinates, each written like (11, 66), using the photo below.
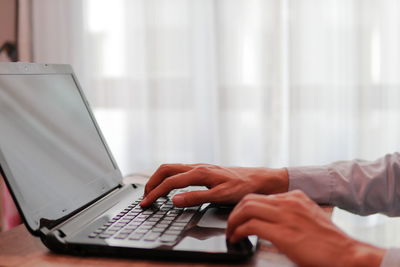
(19, 248)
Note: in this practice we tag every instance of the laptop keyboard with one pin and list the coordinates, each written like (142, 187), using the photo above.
(160, 222)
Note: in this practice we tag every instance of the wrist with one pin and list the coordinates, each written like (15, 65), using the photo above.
(365, 255)
(274, 181)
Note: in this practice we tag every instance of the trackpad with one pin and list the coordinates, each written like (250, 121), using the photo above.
(215, 218)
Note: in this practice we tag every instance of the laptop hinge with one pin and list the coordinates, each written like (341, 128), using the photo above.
(44, 231)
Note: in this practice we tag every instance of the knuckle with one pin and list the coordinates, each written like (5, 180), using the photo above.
(248, 197)
(219, 192)
(291, 202)
(298, 193)
(202, 169)
(250, 208)
(252, 195)
(164, 166)
(247, 203)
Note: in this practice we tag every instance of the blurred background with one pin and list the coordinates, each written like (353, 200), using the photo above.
(232, 82)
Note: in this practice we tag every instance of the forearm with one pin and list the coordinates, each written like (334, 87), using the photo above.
(362, 187)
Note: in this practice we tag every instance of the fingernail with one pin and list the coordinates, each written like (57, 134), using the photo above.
(143, 202)
(179, 200)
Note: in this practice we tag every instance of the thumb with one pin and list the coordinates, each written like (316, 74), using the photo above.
(193, 198)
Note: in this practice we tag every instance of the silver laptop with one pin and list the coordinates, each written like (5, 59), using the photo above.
(69, 190)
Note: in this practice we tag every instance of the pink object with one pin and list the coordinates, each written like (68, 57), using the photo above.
(9, 215)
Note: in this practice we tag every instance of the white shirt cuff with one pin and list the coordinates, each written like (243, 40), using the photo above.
(391, 258)
(315, 182)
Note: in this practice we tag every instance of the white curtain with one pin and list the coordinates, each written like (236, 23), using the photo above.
(232, 82)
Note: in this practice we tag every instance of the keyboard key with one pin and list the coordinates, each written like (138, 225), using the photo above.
(172, 232)
(148, 212)
(168, 238)
(148, 223)
(126, 231)
(151, 236)
(170, 217)
(186, 216)
(174, 212)
(167, 220)
(146, 227)
(162, 224)
(179, 224)
(121, 236)
(134, 223)
(105, 236)
(158, 230)
(138, 220)
(176, 228)
(141, 231)
(135, 236)
(92, 235)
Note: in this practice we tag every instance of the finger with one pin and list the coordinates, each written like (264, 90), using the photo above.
(273, 199)
(270, 199)
(165, 171)
(198, 197)
(262, 229)
(177, 181)
(253, 210)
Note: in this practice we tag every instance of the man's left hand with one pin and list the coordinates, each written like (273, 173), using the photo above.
(299, 228)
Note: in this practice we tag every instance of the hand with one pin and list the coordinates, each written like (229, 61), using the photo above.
(300, 229)
(226, 185)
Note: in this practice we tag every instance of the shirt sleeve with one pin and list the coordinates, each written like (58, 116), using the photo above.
(391, 258)
(361, 187)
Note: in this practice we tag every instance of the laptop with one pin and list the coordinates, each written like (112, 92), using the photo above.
(68, 187)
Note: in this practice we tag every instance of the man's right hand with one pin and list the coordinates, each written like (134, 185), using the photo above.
(226, 185)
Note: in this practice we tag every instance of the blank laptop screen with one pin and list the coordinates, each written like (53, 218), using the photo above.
(51, 145)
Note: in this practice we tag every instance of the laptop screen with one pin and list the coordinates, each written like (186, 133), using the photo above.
(52, 148)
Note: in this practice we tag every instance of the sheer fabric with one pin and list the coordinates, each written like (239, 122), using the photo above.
(232, 82)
